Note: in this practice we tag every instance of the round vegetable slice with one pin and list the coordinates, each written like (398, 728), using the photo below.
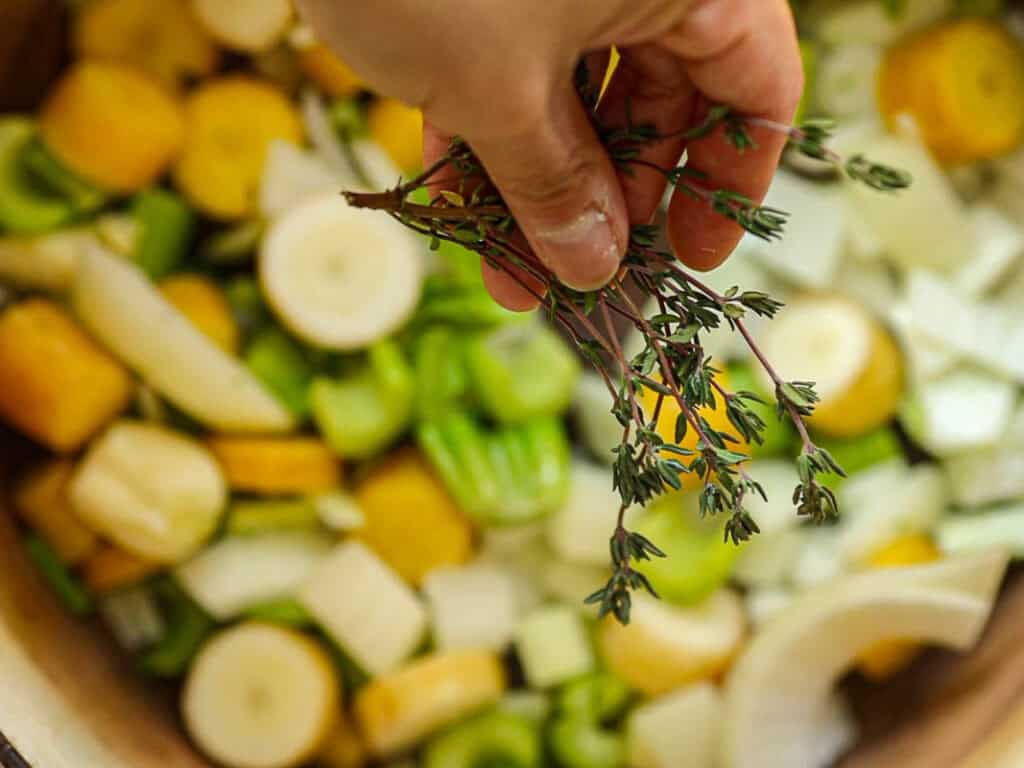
(245, 25)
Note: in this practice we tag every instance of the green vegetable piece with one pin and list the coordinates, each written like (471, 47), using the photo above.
(188, 626)
(698, 561)
(780, 438)
(26, 206)
(809, 58)
(578, 743)
(59, 179)
(595, 698)
(363, 413)
(349, 118)
(247, 305)
(166, 227)
(283, 366)
(284, 611)
(253, 517)
(452, 300)
(234, 246)
(441, 377)
(521, 372)
(859, 453)
(71, 592)
(492, 740)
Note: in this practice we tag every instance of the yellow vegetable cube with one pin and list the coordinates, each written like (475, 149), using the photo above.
(411, 521)
(397, 711)
(110, 568)
(963, 82)
(329, 72)
(885, 659)
(204, 303)
(56, 384)
(113, 125)
(41, 499)
(344, 748)
(272, 465)
(230, 124)
(399, 129)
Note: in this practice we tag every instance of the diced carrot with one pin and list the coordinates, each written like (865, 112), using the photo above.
(40, 498)
(204, 303)
(272, 465)
(113, 125)
(110, 568)
(230, 124)
(329, 72)
(56, 384)
(399, 129)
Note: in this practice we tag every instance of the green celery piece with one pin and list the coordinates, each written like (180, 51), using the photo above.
(349, 118)
(265, 515)
(859, 453)
(363, 413)
(235, 245)
(457, 447)
(72, 593)
(595, 698)
(26, 207)
(809, 58)
(283, 366)
(53, 175)
(521, 372)
(578, 743)
(166, 227)
(188, 627)
(283, 611)
(441, 377)
(492, 740)
(247, 305)
(780, 438)
(698, 561)
(551, 456)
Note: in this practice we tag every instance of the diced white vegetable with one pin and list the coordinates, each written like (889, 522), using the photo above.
(988, 333)
(553, 646)
(847, 80)
(130, 316)
(808, 255)
(996, 529)
(339, 512)
(877, 481)
(118, 231)
(365, 607)
(987, 477)
(926, 225)
(251, 26)
(239, 572)
(872, 284)
(599, 430)
(911, 507)
(962, 410)
(820, 561)
(568, 582)
(929, 357)
(292, 175)
(999, 246)
(45, 263)
(766, 603)
(578, 532)
(769, 561)
(861, 242)
(133, 618)
(532, 705)
(677, 730)
(472, 607)
(868, 21)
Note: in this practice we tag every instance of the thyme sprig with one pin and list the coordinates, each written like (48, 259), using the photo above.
(672, 363)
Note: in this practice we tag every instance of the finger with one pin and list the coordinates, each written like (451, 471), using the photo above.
(651, 87)
(561, 187)
(743, 53)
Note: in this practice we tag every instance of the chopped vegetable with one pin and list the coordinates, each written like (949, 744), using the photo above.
(260, 695)
(165, 228)
(365, 607)
(442, 381)
(44, 356)
(75, 597)
(251, 26)
(234, 245)
(396, 711)
(330, 73)
(399, 129)
(41, 500)
(677, 730)
(579, 744)
(113, 125)
(240, 572)
(268, 515)
(1000, 528)
(133, 617)
(237, 111)
(878, 22)
(338, 512)
(496, 738)
(156, 493)
(51, 174)
(284, 610)
(276, 465)
(472, 607)
(187, 629)
(779, 437)
(859, 453)
(847, 83)
(26, 207)
(553, 646)
(283, 366)
(291, 176)
(109, 569)
(767, 559)
(44, 262)
(202, 302)
(436, 535)
(344, 748)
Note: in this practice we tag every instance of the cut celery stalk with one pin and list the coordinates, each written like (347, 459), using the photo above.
(596, 698)
(269, 515)
(578, 530)
(677, 730)
(242, 571)
(472, 607)
(282, 365)
(25, 206)
(53, 175)
(498, 739)
(365, 607)
(285, 611)
(533, 706)
(442, 380)
(553, 646)
(999, 529)
(187, 629)
(133, 617)
(246, 302)
(72, 594)
(166, 227)
(581, 744)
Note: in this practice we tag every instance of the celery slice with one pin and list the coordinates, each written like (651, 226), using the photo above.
(26, 207)
(284, 611)
(497, 739)
(283, 366)
(268, 515)
(71, 592)
(581, 744)
(166, 227)
(53, 175)
(188, 626)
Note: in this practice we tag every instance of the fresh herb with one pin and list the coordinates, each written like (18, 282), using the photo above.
(672, 364)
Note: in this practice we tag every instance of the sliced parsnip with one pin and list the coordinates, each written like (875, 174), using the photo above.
(245, 25)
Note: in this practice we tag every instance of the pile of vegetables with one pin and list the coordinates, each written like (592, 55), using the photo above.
(304, 465)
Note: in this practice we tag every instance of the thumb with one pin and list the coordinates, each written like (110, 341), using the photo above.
(562, 189)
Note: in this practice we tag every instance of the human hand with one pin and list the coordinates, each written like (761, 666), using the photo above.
(499, 73)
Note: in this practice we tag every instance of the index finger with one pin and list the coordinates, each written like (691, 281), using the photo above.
(744, 54)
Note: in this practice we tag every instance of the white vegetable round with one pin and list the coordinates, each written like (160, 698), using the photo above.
(340, 277)
(245, 25)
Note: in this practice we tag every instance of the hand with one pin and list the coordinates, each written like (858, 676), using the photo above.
(499, 73)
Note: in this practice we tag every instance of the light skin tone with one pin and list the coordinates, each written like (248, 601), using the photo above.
(499, 73)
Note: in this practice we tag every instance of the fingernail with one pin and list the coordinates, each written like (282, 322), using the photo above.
(583, 253)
